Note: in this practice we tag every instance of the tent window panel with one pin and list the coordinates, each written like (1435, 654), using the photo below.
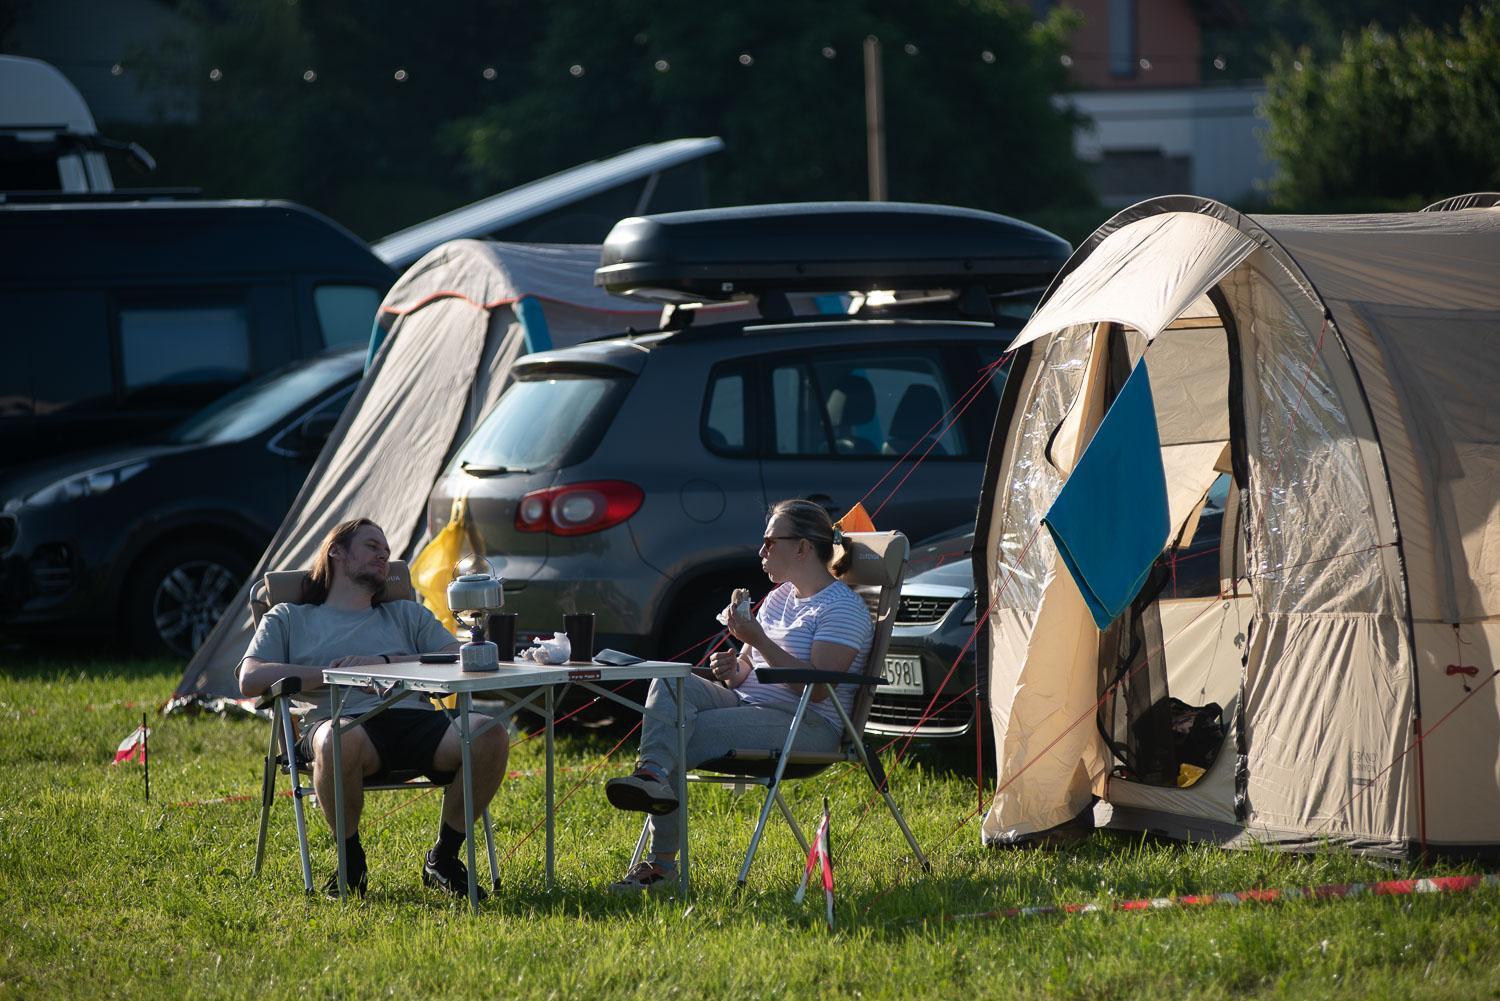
(1023, 555)
(1309, 506)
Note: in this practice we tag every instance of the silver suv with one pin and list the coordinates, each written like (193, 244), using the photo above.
(630, 476)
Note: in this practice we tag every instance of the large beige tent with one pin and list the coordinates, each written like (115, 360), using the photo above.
(447, 334)
(1338, 379)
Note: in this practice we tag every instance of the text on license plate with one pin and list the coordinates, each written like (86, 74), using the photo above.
(902, 674)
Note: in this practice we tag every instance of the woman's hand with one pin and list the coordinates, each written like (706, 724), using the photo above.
(745, 628)
(725, 667)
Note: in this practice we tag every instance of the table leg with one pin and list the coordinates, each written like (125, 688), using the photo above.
(465, 702)
(549, 707)
(682, 784)
(336, 705)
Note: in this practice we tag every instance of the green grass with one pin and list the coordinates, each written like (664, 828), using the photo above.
(103, 894)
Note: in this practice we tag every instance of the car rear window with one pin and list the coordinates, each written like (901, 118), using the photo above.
(543, 423)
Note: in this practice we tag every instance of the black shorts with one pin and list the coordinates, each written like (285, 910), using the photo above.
(404, 739)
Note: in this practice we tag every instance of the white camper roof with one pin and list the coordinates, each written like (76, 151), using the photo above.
(36, 94)
(541, 196)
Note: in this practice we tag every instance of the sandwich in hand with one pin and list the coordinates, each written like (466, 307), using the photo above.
(740, 602)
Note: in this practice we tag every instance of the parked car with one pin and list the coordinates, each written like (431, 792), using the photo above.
(630, 476)
(935, 619)
(121, 319)
(938, 612)
(150, 542)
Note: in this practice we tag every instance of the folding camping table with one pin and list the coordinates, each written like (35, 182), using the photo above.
(511, 682)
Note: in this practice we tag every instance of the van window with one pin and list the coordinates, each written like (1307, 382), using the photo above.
(724, 413)
(57, 356)
(346, 313)
(543, 423)
(870, 402)
(173, 346)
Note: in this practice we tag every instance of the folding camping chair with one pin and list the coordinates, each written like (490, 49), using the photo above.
(273, 589)
(875, 572)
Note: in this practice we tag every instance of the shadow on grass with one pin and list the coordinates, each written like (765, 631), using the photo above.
(63, 659)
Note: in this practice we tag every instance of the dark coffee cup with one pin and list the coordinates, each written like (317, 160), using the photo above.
(500, 627)
(580, 629)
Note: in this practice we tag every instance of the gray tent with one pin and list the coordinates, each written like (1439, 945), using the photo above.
(447, 335)
(1342, 373)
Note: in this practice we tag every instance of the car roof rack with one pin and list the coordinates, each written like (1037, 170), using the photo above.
(767, 251)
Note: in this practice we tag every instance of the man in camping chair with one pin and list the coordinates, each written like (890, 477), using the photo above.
(344, 623)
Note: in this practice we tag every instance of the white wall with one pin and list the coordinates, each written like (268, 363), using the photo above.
(1217, 129)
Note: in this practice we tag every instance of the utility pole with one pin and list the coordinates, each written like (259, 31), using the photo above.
(874, 119)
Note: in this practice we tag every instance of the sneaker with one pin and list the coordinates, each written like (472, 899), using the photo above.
(642, 792)
(447, 874)
(646, 877)
(359, 884)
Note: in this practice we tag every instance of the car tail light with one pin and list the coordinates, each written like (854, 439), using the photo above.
(578, 508)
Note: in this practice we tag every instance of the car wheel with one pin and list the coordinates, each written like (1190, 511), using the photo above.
(178, 595)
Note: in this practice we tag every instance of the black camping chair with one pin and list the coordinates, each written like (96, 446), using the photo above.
(876, 571)
(282, 757)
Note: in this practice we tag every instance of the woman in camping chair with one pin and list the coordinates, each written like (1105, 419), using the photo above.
(811, 620)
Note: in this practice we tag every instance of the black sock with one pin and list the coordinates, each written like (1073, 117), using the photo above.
(354, 853)
(448, 843)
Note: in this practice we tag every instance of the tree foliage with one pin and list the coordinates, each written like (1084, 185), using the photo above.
(968, 85)
(783, 84)
(1404, 117)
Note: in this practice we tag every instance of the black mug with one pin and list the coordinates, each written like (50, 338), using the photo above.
(580, 629)
(500, 627)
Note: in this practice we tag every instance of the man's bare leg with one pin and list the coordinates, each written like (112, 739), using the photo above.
(488, 754)
(359, 758)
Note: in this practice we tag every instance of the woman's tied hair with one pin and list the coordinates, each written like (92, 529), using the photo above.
(811, 522)
(319, 580)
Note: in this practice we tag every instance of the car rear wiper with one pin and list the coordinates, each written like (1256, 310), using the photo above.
(480, 469)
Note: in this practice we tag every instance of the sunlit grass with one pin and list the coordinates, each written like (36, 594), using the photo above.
(104, 894)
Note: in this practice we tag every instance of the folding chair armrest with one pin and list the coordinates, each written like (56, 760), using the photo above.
(278, 689)
(804, 676)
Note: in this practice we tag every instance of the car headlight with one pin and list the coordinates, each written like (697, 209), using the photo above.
(89, 484)
(972, 615)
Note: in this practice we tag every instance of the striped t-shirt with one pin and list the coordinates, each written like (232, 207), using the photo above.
(833, 615)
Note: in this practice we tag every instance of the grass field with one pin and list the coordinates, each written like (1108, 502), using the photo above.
(103, 894)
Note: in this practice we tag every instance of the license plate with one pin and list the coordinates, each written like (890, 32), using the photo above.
(903, 675)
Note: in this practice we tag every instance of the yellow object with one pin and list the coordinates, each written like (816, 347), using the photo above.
(855, 520)
(432, 569)
(1188, 774)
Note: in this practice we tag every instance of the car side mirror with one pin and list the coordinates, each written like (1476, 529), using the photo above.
(307, 439)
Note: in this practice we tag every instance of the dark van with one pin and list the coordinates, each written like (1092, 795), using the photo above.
(120, 319)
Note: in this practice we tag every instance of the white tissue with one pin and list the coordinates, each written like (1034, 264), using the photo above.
(557, 650)
(743, 610)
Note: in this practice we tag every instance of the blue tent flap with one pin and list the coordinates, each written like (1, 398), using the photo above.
(1110, 519)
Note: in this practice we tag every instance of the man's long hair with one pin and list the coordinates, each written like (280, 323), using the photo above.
(319, 580)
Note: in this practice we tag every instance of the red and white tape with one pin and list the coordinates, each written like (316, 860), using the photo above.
(1389, 888)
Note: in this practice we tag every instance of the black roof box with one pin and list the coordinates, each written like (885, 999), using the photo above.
(711, 255)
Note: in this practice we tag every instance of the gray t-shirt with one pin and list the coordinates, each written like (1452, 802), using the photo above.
(316, 635)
